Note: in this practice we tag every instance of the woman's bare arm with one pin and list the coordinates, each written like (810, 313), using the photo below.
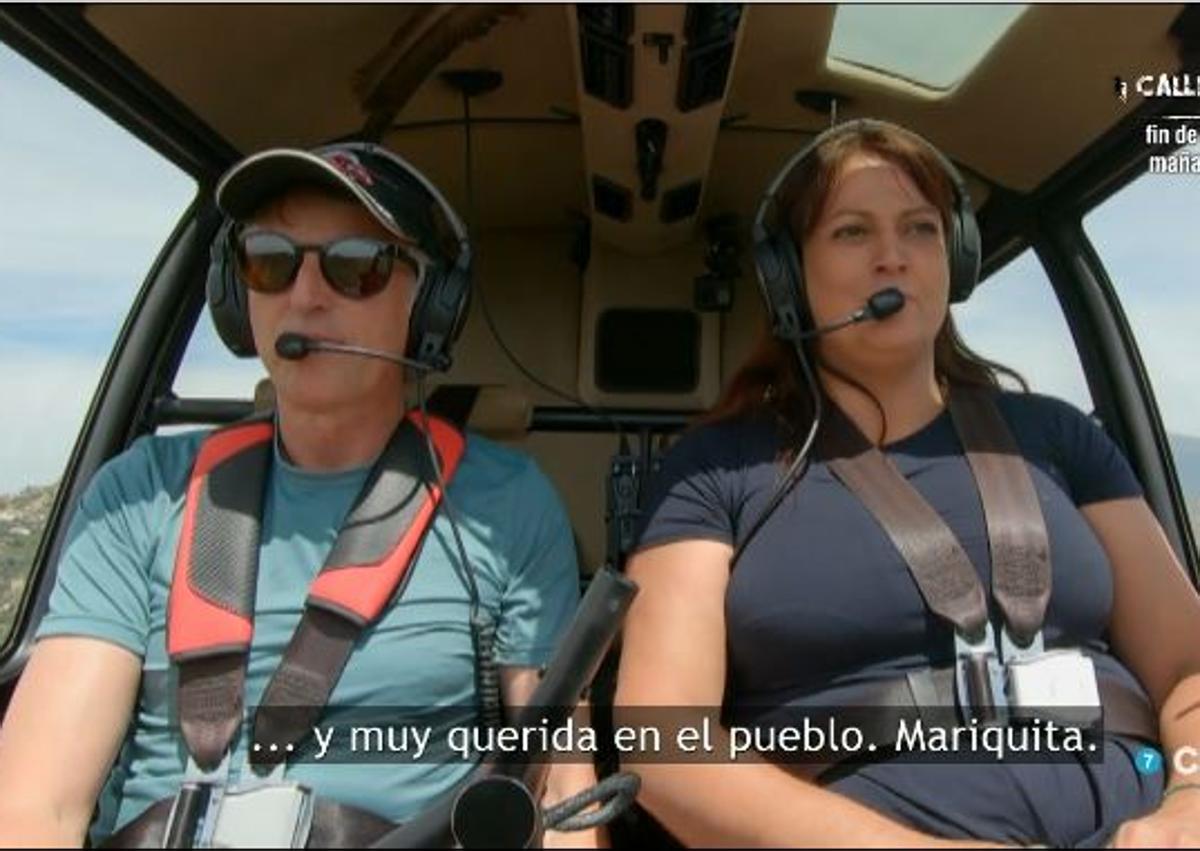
(1155, 629)
(673, 654)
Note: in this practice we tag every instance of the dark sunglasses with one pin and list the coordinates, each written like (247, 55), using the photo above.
(356, 267)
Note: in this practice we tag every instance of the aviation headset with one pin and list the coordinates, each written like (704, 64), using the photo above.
(781, 276)
(440, 308)
(777, 258)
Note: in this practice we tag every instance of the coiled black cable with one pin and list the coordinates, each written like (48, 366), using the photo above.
(617, 791)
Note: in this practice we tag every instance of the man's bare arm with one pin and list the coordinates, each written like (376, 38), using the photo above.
(62, 731)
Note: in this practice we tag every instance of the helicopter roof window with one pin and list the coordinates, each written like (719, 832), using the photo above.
(894, 40)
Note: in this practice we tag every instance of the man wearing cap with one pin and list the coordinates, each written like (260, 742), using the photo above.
(339, 247)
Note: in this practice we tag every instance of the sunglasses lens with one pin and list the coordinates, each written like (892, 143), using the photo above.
(357, 268)
(267, 262)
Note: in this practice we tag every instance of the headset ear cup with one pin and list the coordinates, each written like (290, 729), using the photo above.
(226, 296)
(769, 267)
(459, 301)
(438, 315)
(778, 268)
(796, 289)
(965, 251)
(416, 347)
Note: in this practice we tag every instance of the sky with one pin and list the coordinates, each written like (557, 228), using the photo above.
(85, 208)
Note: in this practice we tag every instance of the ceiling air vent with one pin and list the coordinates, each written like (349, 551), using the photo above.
(710, 31)
(681, 202)
(612, 199)
(605, 52)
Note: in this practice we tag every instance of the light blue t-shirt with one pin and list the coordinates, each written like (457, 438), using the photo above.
(114, 579)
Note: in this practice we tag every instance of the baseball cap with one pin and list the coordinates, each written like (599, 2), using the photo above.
(372, 175)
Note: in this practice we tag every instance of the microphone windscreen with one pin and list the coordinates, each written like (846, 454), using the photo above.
(885, 302)
(291, 346)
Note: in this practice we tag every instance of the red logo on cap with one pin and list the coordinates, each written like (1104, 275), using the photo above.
(349, 165)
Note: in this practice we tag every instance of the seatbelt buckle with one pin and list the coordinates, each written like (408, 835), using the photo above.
(1056, 685)
(261, 812)
(270, 816)
(189, 824)
(188, 814)
(979, 679)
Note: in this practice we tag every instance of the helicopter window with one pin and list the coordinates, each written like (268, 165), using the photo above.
(894, 40)
(208, 370)
(1153, 272)
(1014, 318)
(86, 209)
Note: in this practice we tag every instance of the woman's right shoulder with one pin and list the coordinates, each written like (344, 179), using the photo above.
(699, 486)
(731, 443)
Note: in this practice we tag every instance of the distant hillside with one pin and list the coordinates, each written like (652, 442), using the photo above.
(22, 517)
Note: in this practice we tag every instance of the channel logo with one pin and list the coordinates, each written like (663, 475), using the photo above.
(1185, 760)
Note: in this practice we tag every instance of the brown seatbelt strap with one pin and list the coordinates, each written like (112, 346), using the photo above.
(1016, 528)
(1017, 536)
(366, 568)
(943, 572)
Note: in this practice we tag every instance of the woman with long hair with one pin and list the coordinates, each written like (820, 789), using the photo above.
(772, 583)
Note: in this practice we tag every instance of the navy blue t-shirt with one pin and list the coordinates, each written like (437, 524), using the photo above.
(821, 598)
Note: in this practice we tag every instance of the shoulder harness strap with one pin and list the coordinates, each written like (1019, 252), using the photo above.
(210, 615)
(1017, 537)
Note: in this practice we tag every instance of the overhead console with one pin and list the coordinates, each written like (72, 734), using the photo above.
(653, 82)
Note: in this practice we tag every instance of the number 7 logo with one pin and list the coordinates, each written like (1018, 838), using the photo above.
(1148, 761)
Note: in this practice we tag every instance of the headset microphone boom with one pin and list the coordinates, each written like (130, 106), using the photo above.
(292, 346)
(882, 304)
